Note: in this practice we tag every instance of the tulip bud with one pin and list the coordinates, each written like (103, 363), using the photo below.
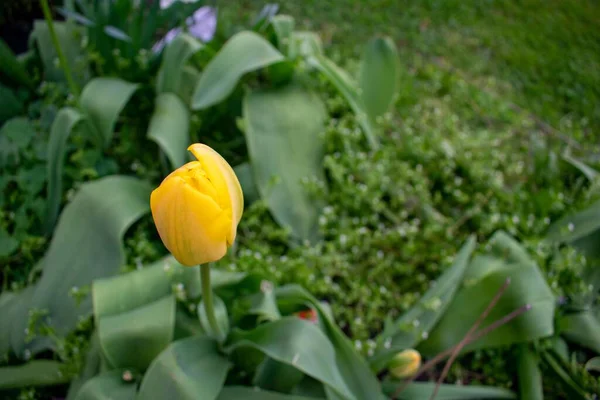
(197, 208)
(405, 364)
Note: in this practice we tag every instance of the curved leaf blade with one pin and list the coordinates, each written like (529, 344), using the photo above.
(582, 328)
(244, 52)
(65, 122)
(529, 374)
(283, 134)
(102, 100)
(169, 128)
(94, 224)
(11, 67)
(34, 373)
(297, 343)
(483, 278)
(176, 56)
(109, 385)
(246, 393)
(191, 369)
(423, 390)
(379, 76)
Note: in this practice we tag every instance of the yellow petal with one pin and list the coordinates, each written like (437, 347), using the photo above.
(193, 227)
(225, 182)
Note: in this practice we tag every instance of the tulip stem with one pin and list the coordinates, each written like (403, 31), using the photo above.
(207, 299)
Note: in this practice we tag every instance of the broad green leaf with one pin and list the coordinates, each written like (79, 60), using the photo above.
(284, 136)
(175, 57)
(283, 25)
(407, 331)
(484, 277)
(264, 305)
(10, 105)
(191, 369)
(585, 169)
(246, 178)
(189, 79)
(102, 100)
(244, 52)
(580, 230)
(582, 328)
(530, 376)
(379, 76)
(277, 376)
(593, 364)
(93, 224)
(8, 244)
(135, 316)
(132, 339)
(221, 315)
(349, 89)
(169, 128)
(354, 370)
(109, 385)
(65, 122)
(11, 68)
(13, 308)
(33, 373)
(246, 393)
(424, 390)
(69, 38)
(298, 343)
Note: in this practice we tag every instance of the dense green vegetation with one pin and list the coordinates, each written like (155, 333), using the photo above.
(491, 97)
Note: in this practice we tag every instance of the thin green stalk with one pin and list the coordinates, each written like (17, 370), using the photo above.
(61, 56)
(207, 299)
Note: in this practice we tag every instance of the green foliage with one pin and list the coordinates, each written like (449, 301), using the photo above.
(283, 133)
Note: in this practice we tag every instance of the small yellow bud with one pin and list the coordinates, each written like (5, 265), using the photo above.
(405, 364)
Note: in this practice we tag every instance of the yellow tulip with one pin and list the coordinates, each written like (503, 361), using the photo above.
(197, 208)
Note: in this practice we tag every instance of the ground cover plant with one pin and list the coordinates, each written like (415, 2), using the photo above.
(396, 190)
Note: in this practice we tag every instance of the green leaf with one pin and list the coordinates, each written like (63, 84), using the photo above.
(246, 393)
(580, 230)
(276, 376)
(10, 105)
(264, 305)
(102, 100)
(244, 52)
(355, 371)
(298, 343)
(135, 316)
(34, 373)
(582, 328)
(402, 333)
(93, 224)
(349, 89)
(11, 67)
(593, 364)
(132, 339)
(69, 38)
(283, 25)
(188, 369)
(109, 385)
(530, 376)
(13, 308)
(169, 128)
(283, 134)
(379, 76)
(246, 178)
(423, 390)
(585, 169)
(561, 370)
(220, 314)
(175, 57)
(8, 244)
(484, 277)
(65, 122)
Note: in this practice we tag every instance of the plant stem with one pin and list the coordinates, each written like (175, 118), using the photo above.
(207, 299)
(61, 56)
